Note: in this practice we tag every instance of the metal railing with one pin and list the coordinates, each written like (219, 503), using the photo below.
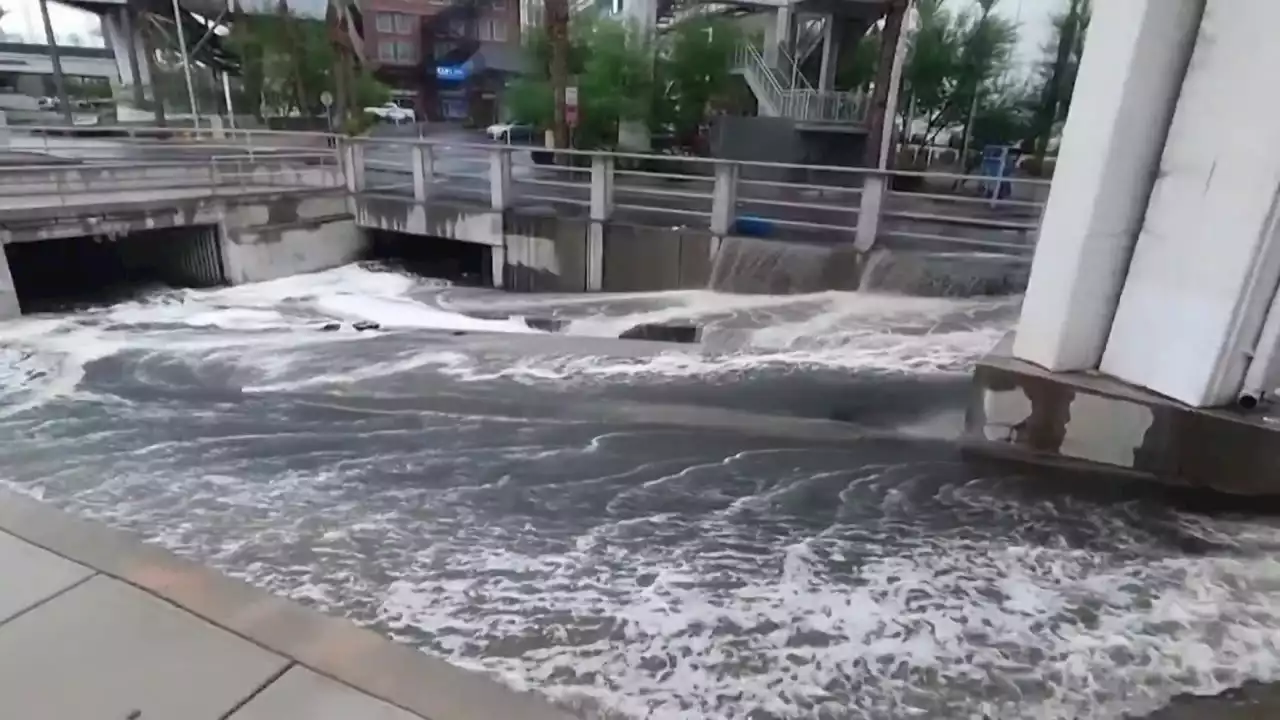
(59, 164)
(803, 104)
(825, 203)
(863, 206)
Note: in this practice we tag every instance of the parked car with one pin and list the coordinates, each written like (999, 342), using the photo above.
(391, 112)
(511, 132)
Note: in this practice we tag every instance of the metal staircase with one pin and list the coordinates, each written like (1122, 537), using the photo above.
(785, 92)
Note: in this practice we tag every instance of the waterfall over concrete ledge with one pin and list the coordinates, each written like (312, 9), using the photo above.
(755, 266)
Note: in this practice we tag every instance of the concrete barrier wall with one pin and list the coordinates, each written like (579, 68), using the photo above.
(103, 179)
(545, 253)
(287, 236)
(8, 295)
(638, 258)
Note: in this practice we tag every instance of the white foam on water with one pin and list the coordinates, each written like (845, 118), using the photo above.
(946, 629)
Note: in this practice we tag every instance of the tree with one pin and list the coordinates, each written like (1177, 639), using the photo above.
(696, 72)
(613, 67)
(889, 37)
(1058, 71)
(957, 64)
(285, 61)
(557, 25)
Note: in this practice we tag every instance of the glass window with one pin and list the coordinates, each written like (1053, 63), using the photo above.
(405, 51)
(404, 23)
(386, 23)
(498, 30)
(387, 50)
(458, 28)
(498, 4)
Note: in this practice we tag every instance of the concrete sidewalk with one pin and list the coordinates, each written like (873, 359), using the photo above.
(97, 626)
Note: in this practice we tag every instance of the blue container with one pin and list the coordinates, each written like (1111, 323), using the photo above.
(753, 226)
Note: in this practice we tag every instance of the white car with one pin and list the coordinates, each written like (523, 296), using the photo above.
(391, 111)
(510, 132)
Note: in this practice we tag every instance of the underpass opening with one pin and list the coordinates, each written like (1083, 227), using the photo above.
(66, 273)
(463, 263)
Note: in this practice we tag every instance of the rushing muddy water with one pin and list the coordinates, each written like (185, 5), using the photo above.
(769, 524)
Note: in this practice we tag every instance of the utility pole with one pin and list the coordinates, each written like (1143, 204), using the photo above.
(557, 13)
(59, 80)
(186, 64)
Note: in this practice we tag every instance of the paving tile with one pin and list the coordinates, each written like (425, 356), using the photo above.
(31, 574)
(301, 694)
(108, 651)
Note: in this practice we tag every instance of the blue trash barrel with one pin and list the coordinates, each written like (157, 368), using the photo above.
(753, 226)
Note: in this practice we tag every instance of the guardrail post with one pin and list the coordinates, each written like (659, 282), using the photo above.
(601, 187)
(499, 178)
(354, 170)
(4, 131)
(601, 211)
(724, 199)
(873, 187)
(417, 158)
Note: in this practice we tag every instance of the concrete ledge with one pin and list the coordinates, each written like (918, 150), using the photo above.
(331, 647)
(1019, 411)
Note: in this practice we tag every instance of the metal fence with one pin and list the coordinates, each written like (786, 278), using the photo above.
(811, 202)
(814, 202)
(48, 163)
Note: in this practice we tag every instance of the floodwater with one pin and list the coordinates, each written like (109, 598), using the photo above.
(773, 523)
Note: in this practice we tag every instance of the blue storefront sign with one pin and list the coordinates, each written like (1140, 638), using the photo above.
(452, 72)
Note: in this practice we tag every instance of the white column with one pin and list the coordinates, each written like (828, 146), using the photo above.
(1207, 262)
(830, 53)
(1135, 56)
(499, 178)
(113, 30)
(724, 199)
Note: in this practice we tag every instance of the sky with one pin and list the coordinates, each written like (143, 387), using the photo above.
(22, 21)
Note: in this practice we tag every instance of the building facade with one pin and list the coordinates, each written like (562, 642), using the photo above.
(449, 59)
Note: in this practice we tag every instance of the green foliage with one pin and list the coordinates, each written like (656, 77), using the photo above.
(956, 58)
(369, 91)
(1056, 73)
(857, 69)
(621, 75)
(614, 85)
(286, 62)
(696, 72)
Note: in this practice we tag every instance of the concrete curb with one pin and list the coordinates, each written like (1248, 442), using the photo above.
(333, 647)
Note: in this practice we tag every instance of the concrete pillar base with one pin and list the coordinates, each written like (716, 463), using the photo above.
(9, 308)
(1021, 412)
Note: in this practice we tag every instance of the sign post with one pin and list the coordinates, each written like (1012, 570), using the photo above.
(326, 99)
(571, 106)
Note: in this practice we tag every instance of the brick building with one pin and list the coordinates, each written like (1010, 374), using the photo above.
(448, 58)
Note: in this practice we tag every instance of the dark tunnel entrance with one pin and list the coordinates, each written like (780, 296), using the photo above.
(463, 263)
(66, 273)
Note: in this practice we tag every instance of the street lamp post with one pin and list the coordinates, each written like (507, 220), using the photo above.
(186, 64)
(59, 80)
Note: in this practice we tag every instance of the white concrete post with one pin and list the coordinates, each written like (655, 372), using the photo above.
(4, 131)
(601, 210)
(417, 160)
(601, 187)
(354, 170)
(869, 204)
(1135, 57)
(784, 30)
(499, 178)
(724, 199)
(830, 52)
(1207, 262)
